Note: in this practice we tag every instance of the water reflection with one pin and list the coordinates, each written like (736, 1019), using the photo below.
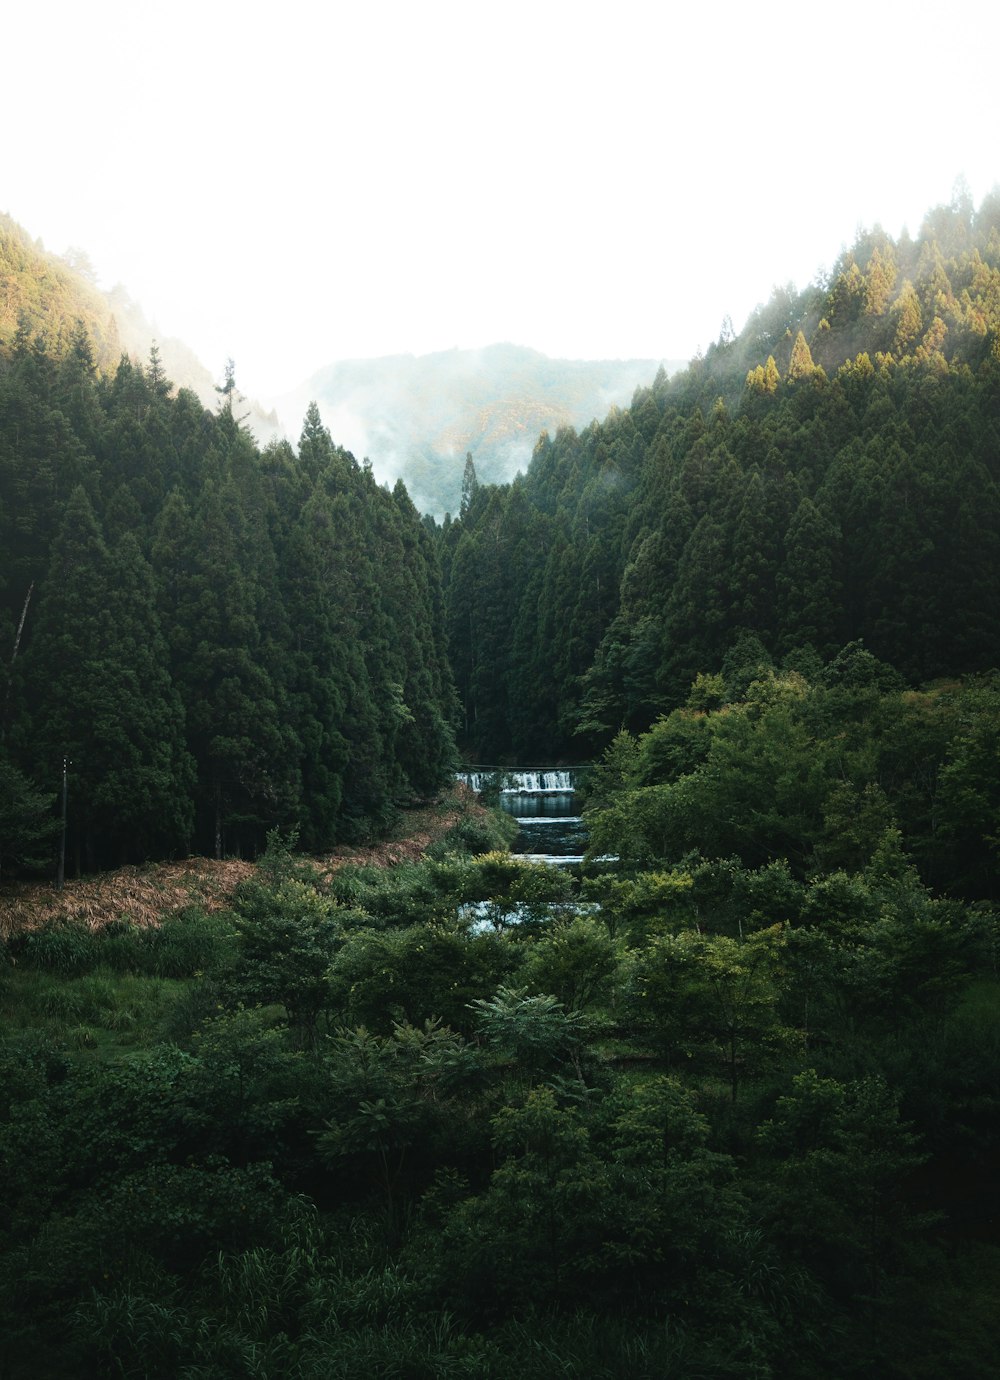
(550, 826)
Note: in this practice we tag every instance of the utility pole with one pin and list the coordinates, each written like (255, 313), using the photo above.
(61, 872)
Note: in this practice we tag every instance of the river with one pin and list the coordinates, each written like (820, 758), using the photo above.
(547, 807)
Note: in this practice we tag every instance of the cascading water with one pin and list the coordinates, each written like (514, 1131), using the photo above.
(545, 803)
(538, 781)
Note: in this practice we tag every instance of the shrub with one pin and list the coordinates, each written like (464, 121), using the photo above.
(65, 949)
(191, 941)
(473, 835)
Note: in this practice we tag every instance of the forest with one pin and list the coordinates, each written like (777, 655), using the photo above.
(722, 1101)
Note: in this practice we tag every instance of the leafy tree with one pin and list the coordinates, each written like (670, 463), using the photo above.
(574, 962)
(393, 1095)
(842, 1155)
(421, 973)
(544, 1210)
(240, 1095)
(288, 936)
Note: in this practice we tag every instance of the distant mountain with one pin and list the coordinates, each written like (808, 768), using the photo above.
(416, 417)
(54, 293)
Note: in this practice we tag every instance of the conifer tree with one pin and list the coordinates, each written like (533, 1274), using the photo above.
(95, 688)
(207, 567)
(801, 365)
(907, 319)
(806, 586)
(470, 486)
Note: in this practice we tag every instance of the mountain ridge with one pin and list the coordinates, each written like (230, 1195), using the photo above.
(50, 295)
(417, 416)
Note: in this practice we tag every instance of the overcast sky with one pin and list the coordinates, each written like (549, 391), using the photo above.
(290, 185)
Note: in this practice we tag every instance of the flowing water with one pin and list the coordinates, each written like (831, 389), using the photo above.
(546, 805)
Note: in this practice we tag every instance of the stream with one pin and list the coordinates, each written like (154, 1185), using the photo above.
(545, 803)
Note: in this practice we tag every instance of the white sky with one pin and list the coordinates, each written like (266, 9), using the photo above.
(290, 184)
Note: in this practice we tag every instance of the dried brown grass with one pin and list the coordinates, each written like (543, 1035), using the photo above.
(143, 895)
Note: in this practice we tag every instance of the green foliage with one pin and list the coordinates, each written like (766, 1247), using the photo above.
(392, 1095)
(27, 828)
(474, 835)
(534, 1031)
(190, 941)
(842, 1154)
(574, 962)
(66, 949)
(692, 994)
(287, 934)
(641, 905)
(241, 1092)
(426, 971)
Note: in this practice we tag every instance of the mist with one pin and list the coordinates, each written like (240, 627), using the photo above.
(417, 417)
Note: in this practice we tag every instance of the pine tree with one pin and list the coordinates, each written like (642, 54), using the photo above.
(211, 594)
(94, 687)
(470, 486)
(806, 585)
(907, 319)
(801, 365)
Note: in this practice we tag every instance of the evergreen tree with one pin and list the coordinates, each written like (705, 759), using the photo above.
(211, 598)
(806, 586)
(94, 688)
(801, 365)
(28, 826)
(470, 486)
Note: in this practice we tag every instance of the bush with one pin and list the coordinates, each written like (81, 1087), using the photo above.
(474, 835)
(123, 947)
(425, 971)
(190, 941)
(66, 949)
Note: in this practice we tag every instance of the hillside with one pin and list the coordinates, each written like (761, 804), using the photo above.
(416, 417)
(830, 474)
(51, 295)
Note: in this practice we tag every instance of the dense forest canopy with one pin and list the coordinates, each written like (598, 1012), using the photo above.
(216, 640)
(828, 475)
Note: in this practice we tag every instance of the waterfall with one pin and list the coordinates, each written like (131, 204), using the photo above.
(534, 781)
(546, 804)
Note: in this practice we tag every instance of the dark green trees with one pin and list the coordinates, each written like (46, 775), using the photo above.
(218, 641)
(829, 475)
(96, 676)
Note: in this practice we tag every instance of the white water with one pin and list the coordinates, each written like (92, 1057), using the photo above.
(537, 781)
(497, 915)
(542, 800)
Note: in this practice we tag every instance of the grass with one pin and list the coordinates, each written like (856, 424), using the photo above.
(98, 1011)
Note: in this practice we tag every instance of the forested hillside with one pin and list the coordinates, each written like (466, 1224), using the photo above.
(830, 474)
(216, 640)
(51, 296)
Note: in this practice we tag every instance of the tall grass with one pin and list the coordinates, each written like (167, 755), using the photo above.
(128, 1007)
(187, 942)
